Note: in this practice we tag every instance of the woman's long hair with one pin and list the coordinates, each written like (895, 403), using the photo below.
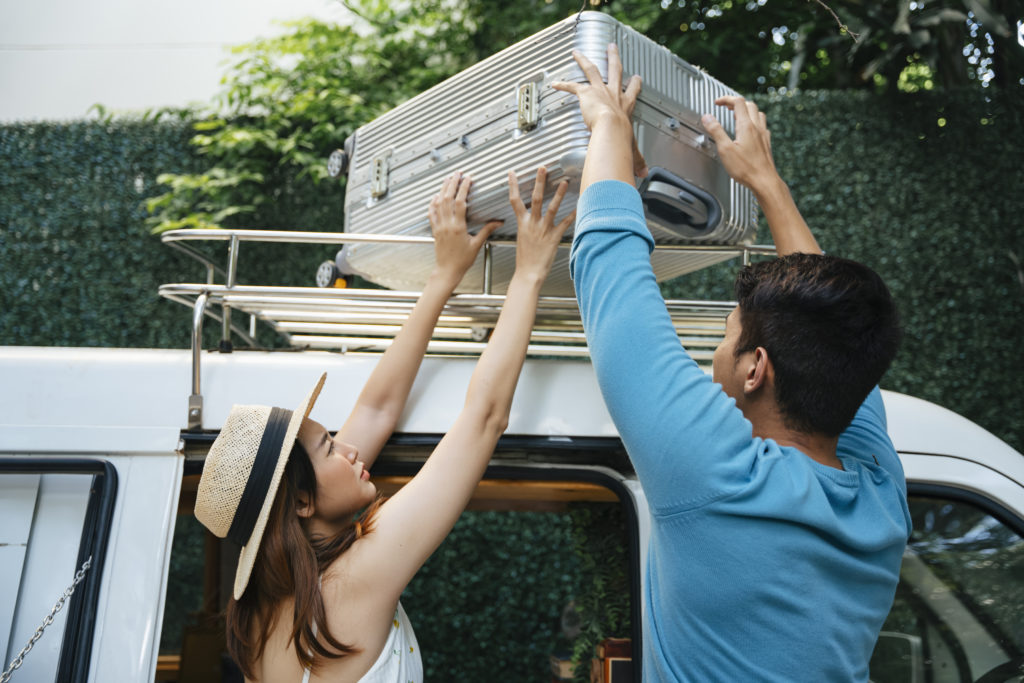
(289, 565)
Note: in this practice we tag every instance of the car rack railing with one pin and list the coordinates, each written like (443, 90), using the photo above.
(366, 320)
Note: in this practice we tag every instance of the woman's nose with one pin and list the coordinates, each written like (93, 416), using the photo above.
(351, 452)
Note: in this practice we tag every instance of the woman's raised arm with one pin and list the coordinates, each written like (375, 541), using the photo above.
(412, 523)
(383, 398)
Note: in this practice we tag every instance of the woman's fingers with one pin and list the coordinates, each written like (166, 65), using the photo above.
(447, 188)
(432, 213)
(513, 195)
(463, 189)
(564, 224)
(632, 90)
(485, 232)
(556, 201)
(537, 200)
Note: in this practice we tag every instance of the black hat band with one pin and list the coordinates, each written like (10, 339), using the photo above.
(260, 476)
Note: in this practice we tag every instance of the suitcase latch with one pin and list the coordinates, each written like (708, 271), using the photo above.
(379, 168)
(528, 104)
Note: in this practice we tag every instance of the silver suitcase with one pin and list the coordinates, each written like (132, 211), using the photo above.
(502, 114)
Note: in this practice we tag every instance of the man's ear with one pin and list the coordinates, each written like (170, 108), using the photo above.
(304, 508)
(760, 373)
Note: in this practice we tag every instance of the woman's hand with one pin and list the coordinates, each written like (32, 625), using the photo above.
(454, 248)
(537, 236)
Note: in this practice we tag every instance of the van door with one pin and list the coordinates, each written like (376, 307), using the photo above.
(959, 608)
(56, 516)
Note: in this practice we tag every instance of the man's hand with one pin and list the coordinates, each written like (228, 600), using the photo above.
(748, 158)
(607, 107)
(454, 248)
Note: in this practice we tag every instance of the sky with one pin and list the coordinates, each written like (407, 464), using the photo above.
(58, 58)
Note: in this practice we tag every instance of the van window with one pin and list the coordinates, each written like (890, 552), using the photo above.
(959, 608)
(542, 566)
(56, 516)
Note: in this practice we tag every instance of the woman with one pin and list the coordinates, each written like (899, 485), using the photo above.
(316, 591)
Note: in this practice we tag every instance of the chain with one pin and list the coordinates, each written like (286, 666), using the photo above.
(16, 664)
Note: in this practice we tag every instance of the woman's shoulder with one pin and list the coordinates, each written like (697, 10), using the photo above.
(354, 586)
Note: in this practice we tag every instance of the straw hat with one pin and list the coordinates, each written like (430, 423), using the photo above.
(242, 472)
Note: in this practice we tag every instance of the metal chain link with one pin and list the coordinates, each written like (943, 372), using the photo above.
(16, 664)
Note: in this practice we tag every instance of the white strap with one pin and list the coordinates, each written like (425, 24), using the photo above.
(305, 674)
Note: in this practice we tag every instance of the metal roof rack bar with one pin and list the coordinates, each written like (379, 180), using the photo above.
(366, 320)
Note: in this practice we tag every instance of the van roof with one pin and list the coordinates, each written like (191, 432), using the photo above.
(99, 400)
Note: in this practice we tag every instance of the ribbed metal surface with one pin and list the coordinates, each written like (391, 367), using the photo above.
(341, 318)
(469, 124)
(352, 319)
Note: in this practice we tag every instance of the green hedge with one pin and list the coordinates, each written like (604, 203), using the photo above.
(936, 209)
(79, 268)
(926, 189)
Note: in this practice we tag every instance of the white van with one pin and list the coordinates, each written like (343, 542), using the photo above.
(101, 450)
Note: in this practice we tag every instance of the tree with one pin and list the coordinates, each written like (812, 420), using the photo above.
(761, 45)
(291, 99)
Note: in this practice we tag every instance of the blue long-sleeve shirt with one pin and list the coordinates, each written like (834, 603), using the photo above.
(763, 564)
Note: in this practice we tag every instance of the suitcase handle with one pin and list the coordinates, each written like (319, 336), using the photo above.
(679, 205)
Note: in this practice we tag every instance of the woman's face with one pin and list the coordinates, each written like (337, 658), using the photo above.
(343, 485)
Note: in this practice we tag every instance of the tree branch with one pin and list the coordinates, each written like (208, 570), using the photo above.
(843, 28)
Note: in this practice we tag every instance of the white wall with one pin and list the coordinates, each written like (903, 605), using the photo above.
(60, 57)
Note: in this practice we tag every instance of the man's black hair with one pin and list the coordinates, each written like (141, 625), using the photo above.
(830, 328)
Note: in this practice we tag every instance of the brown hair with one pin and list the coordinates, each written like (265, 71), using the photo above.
(289, 565)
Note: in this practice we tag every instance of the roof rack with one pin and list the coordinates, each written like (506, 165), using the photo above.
(360, 320)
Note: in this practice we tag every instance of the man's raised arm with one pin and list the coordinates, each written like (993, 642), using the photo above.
(748, 159)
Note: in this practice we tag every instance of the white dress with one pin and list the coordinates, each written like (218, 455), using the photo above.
(399, 660)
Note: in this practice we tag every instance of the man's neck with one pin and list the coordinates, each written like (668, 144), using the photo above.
(817, 447)
(821, 449)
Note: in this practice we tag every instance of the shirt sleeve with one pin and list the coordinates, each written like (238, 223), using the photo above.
(867, 439)
(688, 442)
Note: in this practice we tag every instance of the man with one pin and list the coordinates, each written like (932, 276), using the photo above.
(778, 504)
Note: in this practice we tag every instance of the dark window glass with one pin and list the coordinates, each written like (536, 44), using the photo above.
(959, 608)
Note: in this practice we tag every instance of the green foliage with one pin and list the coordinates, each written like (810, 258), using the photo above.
(289, 100)
(918, 189)
(490, 598)
(78, 270)
(184, 599)
(292, 99)
(760, 46)
(602, 600)
(76, 265)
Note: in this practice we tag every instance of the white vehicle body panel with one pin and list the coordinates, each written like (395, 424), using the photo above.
(128, 407)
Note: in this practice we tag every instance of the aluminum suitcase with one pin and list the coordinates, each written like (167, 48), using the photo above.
(502, 114)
